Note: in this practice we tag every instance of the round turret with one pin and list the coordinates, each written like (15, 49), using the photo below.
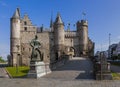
(59, 31)
(15, 36)
(59, 34)
(82, 28)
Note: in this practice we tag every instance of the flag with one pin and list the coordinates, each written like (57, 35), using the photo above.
(83, 13)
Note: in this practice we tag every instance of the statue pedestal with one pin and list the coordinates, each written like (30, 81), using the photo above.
(38, 69)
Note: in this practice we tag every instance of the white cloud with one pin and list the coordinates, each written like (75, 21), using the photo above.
(101, 47)
(3, 16)
(104, 46)
(118, 37)
(3, 4)
(4, 50)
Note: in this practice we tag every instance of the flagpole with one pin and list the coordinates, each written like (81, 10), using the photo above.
(83, 15)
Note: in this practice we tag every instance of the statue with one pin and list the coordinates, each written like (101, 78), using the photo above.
(37, 66)
(36, 53)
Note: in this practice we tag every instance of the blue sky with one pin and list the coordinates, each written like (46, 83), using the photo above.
(103, 17)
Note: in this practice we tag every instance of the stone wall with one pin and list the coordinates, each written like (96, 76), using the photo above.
(44, 39)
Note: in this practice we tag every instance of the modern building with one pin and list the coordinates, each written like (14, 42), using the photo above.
(112, 50)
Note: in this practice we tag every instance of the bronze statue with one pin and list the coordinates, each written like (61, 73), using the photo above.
(36, 53)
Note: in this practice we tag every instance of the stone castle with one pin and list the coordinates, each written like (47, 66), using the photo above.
(55, 41)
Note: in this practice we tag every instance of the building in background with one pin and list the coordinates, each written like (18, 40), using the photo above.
(112, 50)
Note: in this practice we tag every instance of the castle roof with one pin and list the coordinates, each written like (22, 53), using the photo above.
(16, 14)
(58, 19)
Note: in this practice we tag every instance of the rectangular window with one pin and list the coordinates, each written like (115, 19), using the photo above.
(25, 23)
(25, 28)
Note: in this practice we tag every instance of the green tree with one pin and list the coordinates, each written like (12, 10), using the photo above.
(1, 59)
(114, 57)
(118, 56)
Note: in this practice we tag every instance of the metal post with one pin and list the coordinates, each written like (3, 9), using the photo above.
(16, 69)
(18, 54)
(101, 65)
(17, 64)
(101, 47)
(109, 55)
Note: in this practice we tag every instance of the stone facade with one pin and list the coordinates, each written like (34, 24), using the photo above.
(55, 41)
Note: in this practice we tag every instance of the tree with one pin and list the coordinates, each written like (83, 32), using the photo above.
(118, 56)
(1, 59)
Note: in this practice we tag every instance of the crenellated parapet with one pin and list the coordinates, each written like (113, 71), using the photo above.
(70, 34)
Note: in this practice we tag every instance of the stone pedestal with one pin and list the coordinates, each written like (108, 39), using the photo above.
(103, 71)
(104, 76)
(38, 69)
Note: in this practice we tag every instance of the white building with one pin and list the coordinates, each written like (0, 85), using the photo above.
(117, 50)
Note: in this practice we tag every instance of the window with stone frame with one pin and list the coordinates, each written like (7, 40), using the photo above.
(25, 28)
(25, 23)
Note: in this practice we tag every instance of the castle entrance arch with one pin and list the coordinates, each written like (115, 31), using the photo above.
(72, 51)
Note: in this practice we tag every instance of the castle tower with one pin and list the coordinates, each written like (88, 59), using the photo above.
(59, 36)
(15, 38)
(82, 30)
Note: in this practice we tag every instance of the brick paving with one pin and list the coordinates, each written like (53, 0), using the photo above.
(3, 73)
(77, 68)
(66, 76)
(44, 82)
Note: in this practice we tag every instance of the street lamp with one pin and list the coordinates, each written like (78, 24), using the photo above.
(17, 58)
(109, 45)
(101, 65)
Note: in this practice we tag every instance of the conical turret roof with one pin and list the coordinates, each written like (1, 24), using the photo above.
(16, 14)
(58, 19)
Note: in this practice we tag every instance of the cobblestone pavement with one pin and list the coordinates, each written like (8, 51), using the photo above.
(77, 68)
(3, 73)
(44, 82)
(66, 76)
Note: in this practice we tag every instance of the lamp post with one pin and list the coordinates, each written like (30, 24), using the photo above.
(101, 65)
(17, 58)
(109, 46)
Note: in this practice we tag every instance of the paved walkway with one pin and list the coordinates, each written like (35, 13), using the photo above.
(74, 74)
(77, 68)
(3, 73)
(44, 82)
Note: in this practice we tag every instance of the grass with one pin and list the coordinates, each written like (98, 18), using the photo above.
(116, 76)
(18, 72)
(116, 63)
